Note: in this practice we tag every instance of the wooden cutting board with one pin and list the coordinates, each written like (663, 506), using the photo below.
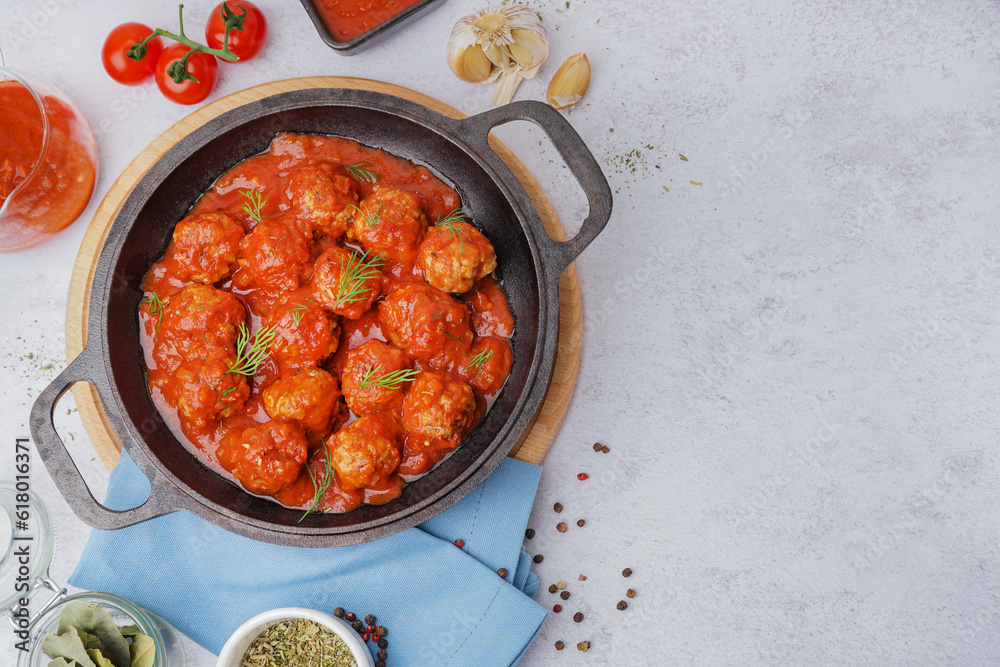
(567, 363)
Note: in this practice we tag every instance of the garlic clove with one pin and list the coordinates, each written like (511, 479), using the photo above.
(530, 48)
(470, 64)
(570, 82)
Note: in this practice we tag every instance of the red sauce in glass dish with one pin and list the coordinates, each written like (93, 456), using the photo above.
(57, 176)
(348, 19)
(389, 336)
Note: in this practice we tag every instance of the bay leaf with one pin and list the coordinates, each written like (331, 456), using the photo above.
(67, 645)
(89, 641)
(61, 662)
(143, 651)
(93, 620)
(99, 659)
(129, 630)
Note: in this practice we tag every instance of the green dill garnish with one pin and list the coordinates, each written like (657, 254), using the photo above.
(390, 380)
(478, 360)
(371, 219)
(359, 172)
(354, 277)
(321, 486)
(251, 356)
(451, 336)
(437, 315)
(228, 392)
(450, 222)
(253, 204)
(156, 306)
(297, 312)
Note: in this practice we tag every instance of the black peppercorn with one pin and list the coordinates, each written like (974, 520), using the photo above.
(358, 626)
(553, 588)
(558, 507)
(561, 527)
(577, 617)
(605, 449)
(538, 558)
(381, 655)
(581, 523)
(597, 446)
(529, 533)
(382, 643)
(380, 663)
(622, 605)
(564, 595)
(560, 646)
(381, 631)
(627, 572)
(369, 620)
(339, 612)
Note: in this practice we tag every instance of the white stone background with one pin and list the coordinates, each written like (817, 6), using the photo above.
(794, 363)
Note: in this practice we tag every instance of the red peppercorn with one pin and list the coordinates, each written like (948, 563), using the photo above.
(364, 636)
(370, 629)
(582, 476)
(557, 608)
(459, 543)
(375, 638)
(349, 617)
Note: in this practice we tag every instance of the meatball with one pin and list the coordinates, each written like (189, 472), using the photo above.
(455, 255)
(347, 283)
(365, 451)
(310, 398)
(205, 246)
(322, 202)
(274, 256)
(487, 365)
(199, 323)
(204, 392)
(427, 323)
(438, 407)
(369, 362)
(306, 333)
(264, 458)
(390, 223)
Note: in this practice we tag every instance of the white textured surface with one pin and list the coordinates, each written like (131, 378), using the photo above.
(794, 363)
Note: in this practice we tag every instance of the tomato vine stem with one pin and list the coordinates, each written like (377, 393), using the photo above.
(178, 69)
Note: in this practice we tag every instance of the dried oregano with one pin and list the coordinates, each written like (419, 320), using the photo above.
(298, 643)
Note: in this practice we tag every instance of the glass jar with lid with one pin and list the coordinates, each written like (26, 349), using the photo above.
(28, 540)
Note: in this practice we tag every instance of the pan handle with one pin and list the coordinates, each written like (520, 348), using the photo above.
(164, 497)
(558, 254)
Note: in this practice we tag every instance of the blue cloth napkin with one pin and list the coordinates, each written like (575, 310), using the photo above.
(442, 605)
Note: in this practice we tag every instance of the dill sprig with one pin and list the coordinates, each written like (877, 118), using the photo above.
(359, 172)
(452, 336)
(478, 360)
(320, 487)
(371, 219)
(255, 202)
(390, 380)
(450, 222)
(354, 277)
(251, 356)
(156, 308)
(298, 312)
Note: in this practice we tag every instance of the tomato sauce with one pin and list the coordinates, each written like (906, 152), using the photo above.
(371, 371)
(56, 176)
(348, 19)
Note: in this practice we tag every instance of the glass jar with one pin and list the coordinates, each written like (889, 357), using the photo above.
(26, 528)
(48, 161)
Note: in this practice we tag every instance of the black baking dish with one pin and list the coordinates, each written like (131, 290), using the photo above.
(351, 47)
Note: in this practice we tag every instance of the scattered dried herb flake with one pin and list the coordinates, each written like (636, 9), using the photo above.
(298, 643)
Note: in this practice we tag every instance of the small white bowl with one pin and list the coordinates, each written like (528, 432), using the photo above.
(232, 653)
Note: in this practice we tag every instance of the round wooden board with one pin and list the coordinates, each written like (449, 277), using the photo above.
(567, 363)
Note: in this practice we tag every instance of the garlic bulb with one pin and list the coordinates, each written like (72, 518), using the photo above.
(508, 43)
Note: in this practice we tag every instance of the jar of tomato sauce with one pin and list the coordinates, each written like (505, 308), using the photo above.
(48, 161)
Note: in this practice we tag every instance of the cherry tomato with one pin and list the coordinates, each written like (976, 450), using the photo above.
(120, 67)
(202, 66)
(245, 43)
